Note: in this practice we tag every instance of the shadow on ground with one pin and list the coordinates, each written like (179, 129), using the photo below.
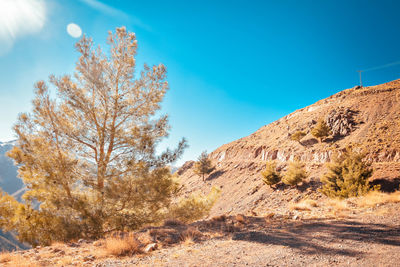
(214, 175)
(387, 185)
(321, 237)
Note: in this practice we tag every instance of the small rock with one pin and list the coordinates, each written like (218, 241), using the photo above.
(295, 217)
(150, 247)
(80, 241)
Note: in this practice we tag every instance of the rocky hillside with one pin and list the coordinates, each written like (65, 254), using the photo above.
(367, 118)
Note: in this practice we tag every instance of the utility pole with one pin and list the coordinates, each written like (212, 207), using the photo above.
(359, 72)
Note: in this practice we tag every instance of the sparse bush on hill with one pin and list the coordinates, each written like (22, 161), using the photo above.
(270, 175)
(88, 157)
(295, 173)
(297, 136)
(203, 165)
(321, 130)
(347, 176)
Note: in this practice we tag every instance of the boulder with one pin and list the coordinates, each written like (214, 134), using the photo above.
(341, 121)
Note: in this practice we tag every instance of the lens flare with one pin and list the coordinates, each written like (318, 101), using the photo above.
(74, 30)
(18, 18)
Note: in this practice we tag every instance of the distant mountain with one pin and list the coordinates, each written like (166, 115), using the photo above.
(8, 171)
(8, 242)
(10, 183)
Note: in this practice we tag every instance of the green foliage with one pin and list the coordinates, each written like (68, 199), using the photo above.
(295, 173)
(88, 156)
(347, 176)
(321, 130)
(297, 136)
(203, 165)
(270, 175)
(194, 207)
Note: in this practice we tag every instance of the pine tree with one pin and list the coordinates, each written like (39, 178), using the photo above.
(347, 176)
(270, 175)
(321, 130)
(88, 156)
(297, 136)
(295, 173)
(203, 165)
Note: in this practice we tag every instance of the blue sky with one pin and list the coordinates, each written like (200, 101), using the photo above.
(233, 66)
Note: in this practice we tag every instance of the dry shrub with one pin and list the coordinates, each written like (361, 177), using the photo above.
(375, 198)
(295, 174)
(195, 207)
(347, 176)
(270, 175)
(121, 246)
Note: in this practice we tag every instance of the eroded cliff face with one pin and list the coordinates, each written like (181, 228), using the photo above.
(365, 118)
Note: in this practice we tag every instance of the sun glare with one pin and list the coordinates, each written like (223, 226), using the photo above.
(74, 30)
(20, 17)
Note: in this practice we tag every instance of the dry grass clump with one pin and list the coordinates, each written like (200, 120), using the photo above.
(337, 204)
(5, 257)
(338, 208)
(304, 205)
(375, 198)
(123, 245)
(372, 199)
(15, 260)
(190, 235)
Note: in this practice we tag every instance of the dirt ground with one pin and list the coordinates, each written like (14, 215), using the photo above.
(366, 241)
